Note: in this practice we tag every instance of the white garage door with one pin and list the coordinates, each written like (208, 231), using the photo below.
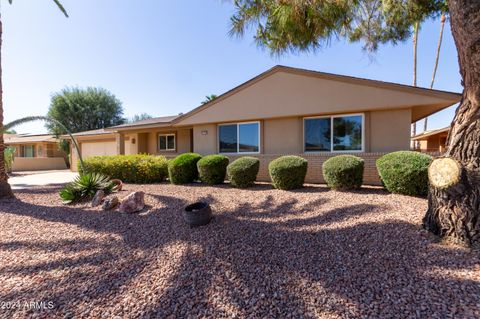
(99, 149)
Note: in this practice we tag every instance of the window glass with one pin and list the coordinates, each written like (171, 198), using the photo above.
(171, 142)
(163, 142)
(166, 142)
(317, 135)
(248, 139)
(28, 151)
(227, 135)
(347, 133)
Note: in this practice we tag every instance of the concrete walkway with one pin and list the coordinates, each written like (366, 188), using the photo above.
(22, 180)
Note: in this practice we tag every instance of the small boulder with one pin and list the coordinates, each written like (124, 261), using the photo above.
(110, 203)
(97, 199)
(134, 202)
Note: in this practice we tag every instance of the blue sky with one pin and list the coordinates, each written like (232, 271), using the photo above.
(162, 57)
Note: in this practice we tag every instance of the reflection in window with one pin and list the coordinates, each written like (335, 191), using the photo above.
(317, 135)
(248, 138)
(239, 138)
(347, 133)
(338, 133)
(227, 135)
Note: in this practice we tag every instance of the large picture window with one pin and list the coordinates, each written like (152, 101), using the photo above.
(166, 142)
(334, 134)
(239, 138)
(28, 151)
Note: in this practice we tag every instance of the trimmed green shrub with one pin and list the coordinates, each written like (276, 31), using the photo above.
(288, 172)
(212, 169)
(405, 172)
(242, 172)
(343, 172)
(183, 168)
(139, 168)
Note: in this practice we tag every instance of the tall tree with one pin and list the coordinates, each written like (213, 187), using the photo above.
(294, 25)
(416, 28)
(139, 117)
(5, 189)
(84, 109)
(437, 57)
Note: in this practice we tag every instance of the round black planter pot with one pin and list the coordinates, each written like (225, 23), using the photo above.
(197, 214)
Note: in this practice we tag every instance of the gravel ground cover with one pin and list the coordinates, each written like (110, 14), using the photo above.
(310, 253)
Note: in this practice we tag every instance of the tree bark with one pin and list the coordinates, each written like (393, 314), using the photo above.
(5, 189)
(454, 211)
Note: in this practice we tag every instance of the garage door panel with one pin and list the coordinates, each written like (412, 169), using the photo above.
(99, 149)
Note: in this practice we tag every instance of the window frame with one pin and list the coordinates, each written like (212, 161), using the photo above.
(174, 149)
(22, 150)
(362, 150)
(238, 137)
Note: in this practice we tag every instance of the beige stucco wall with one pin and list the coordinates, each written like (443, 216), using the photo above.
(149, 138)
(205, 139)
(38, 163)
(389, 130)
(384, 131)
(283, 136)
(285, 94)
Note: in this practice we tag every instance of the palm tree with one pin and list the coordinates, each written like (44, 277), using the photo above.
(415, 45)
(209, 98)
(5, 189)
(439, 46)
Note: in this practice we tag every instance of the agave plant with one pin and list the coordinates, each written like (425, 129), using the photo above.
(85, 186)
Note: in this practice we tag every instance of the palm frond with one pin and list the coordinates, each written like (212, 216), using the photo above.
(60, 6)
(57, 2)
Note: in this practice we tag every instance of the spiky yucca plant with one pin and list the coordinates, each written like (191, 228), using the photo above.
(85, 186)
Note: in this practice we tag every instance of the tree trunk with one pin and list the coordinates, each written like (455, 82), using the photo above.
(454, 208)
(5, 189)
(437, 57)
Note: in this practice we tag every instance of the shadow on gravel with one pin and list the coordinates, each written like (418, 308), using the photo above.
(251, 260)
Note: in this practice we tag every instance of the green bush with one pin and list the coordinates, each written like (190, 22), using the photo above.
(8, 157)
(85, 186)
(183, 168)
(343, 172)
(129, 168)
(242, 172)
(288, 172)
(212, 169)
(405, 172)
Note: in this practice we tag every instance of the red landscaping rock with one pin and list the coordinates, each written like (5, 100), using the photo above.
(134, 202)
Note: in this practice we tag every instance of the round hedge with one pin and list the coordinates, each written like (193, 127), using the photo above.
(404, 172)
(343, 172)
(242, 172)
(212, 169)
(288, 172)
(183, 168)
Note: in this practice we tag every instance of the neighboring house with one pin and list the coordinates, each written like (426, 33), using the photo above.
(35, 152)
(92, 143)
(292, 111)
(431, 140)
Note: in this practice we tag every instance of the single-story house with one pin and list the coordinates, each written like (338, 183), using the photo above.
(431, 140)
(291, 111)
(35, 152)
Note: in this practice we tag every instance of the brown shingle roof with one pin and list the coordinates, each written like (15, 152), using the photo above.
(20, 139)
(163, 120)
